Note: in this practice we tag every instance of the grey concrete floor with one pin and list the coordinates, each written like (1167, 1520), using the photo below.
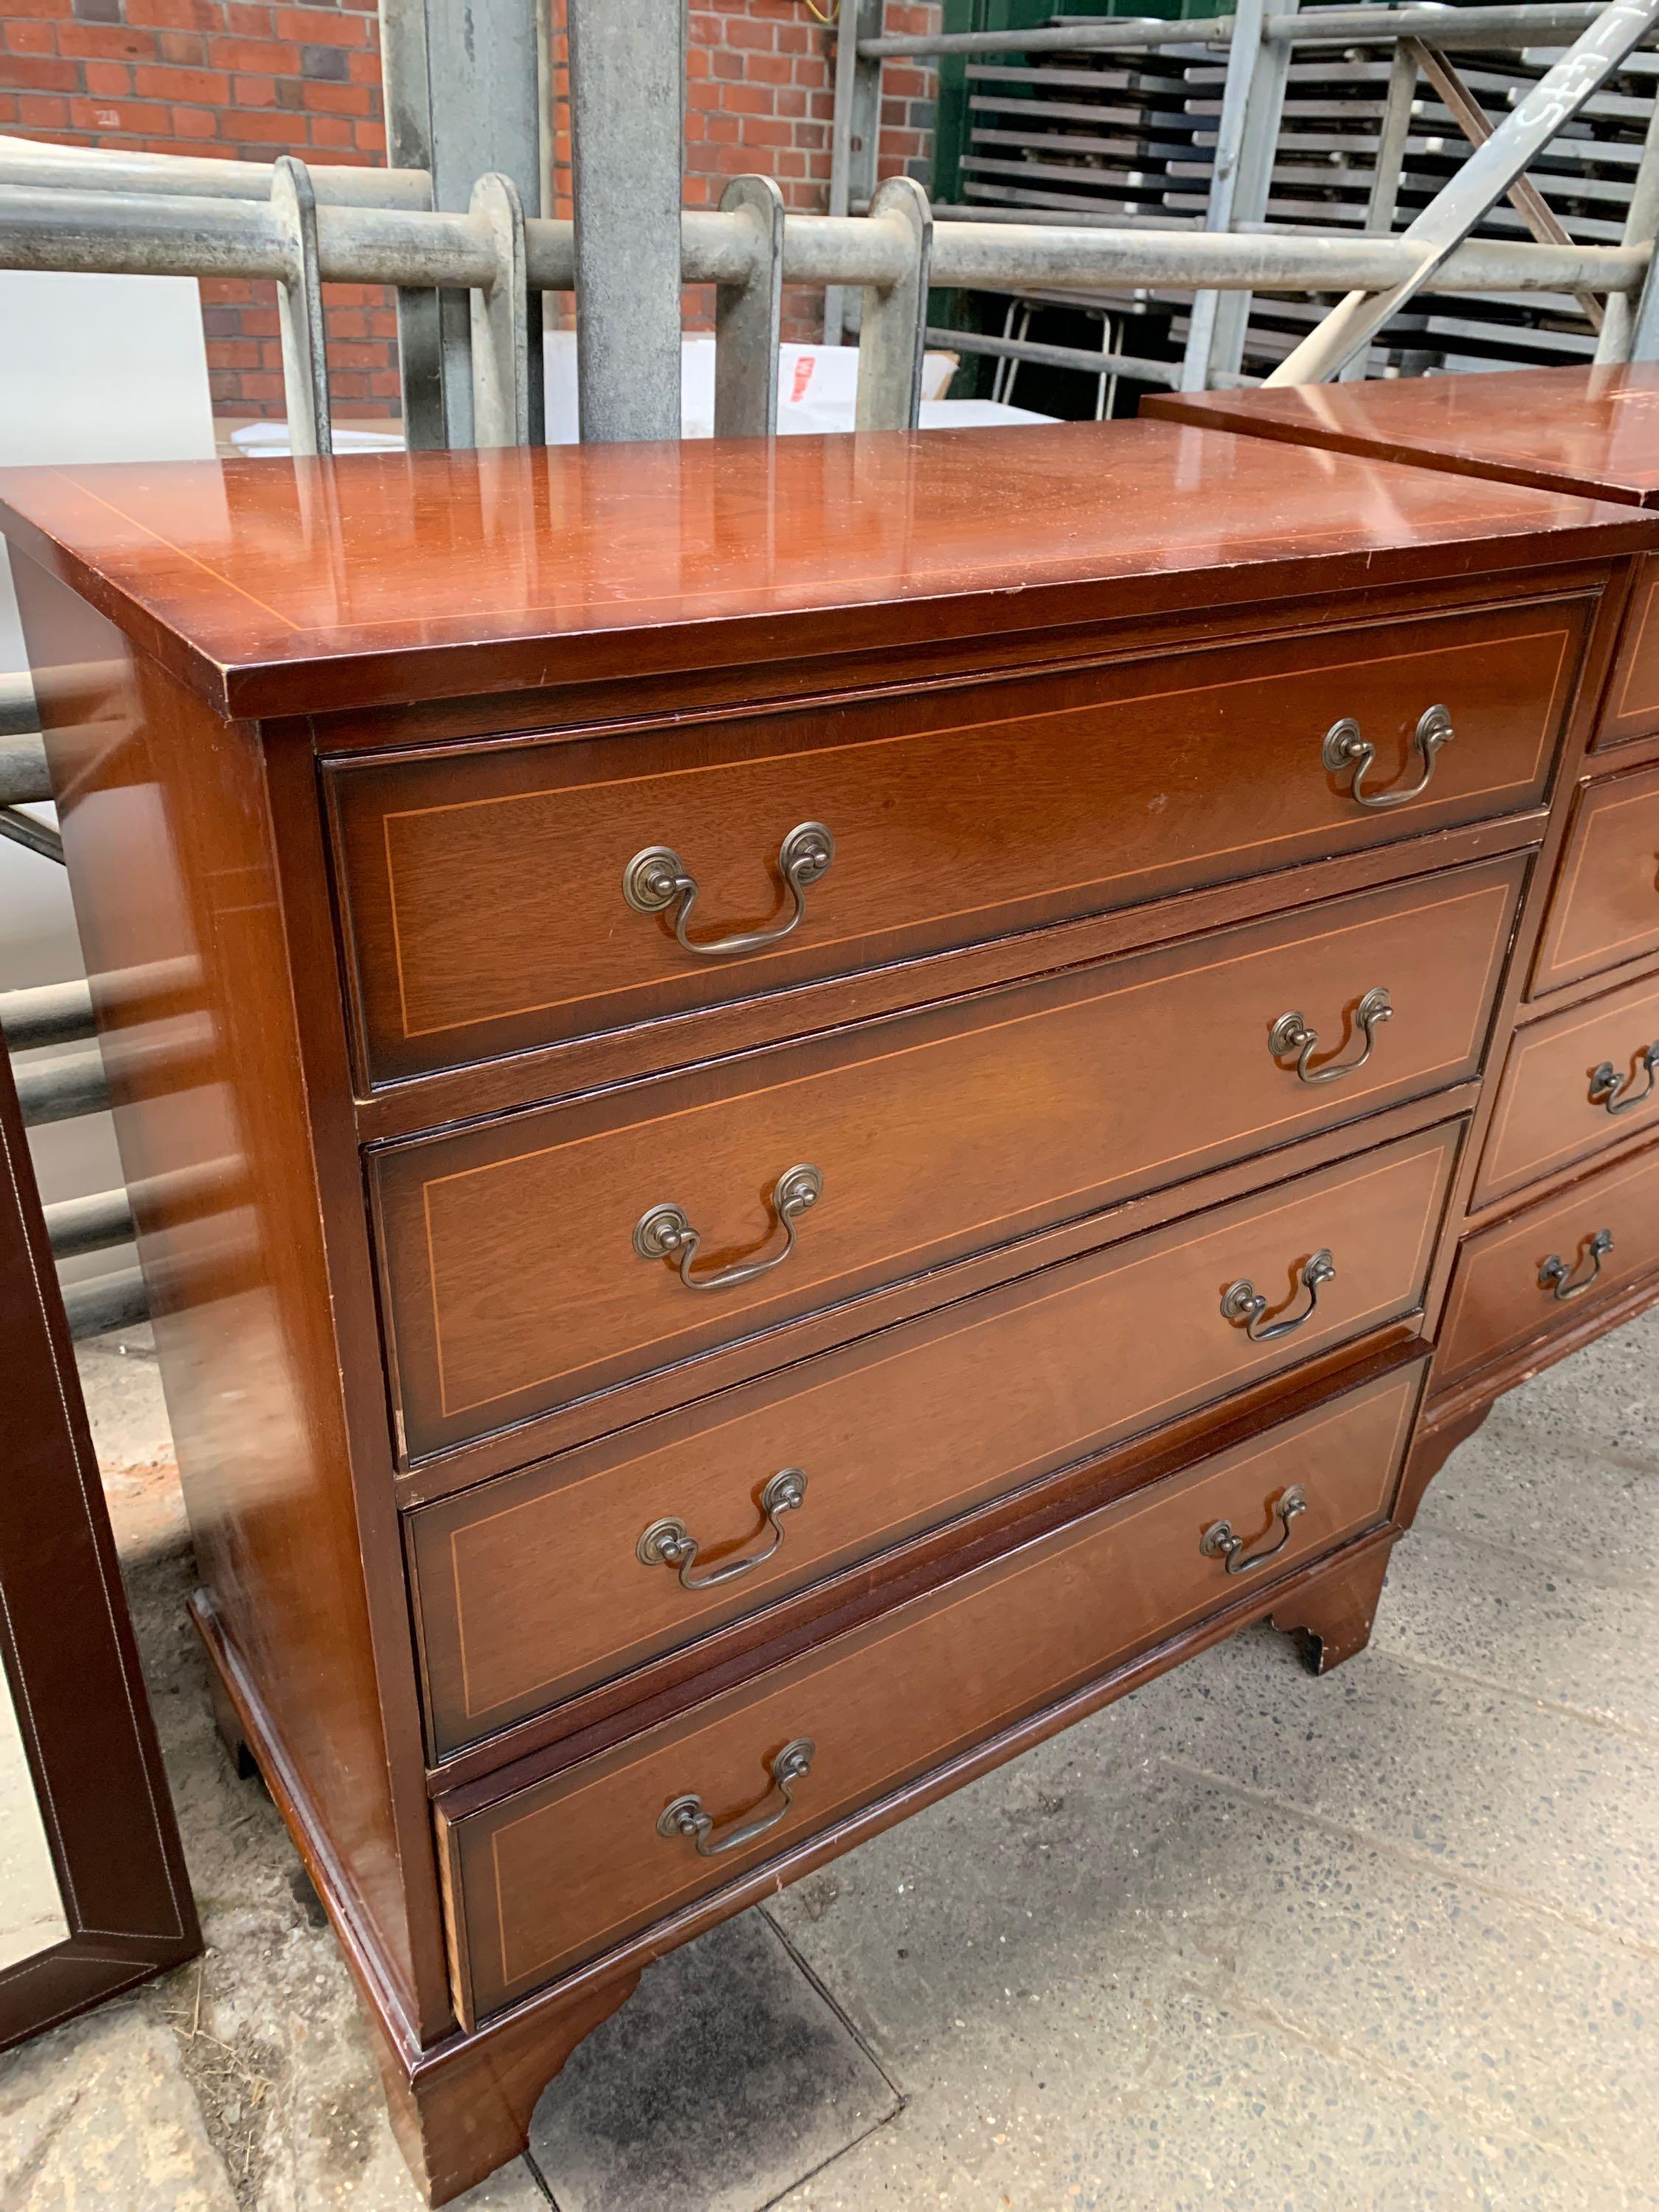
(1245, 1939)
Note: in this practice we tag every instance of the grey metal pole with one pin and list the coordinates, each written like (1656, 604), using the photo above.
(46, 1013)
(1218, 351)
(407, 95)
(299, 310)
(106, 1302)
(1057, 356)
(854, 137)
(994, 258)
(1246, 57)
(101, 169)
(1621, 314)
(19, 828)
(506, 369)
(63, 1089)
(1644, 329)
(1511, 28)
(23, 770)
(892, 328)
(462, 101)
(1085, 35)
(18, 716)
(52, 230)
(748, 317)
(1489, 172)
(75, 1225)
(1392, 139)
(627, 104)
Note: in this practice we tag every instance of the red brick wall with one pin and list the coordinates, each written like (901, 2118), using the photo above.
(249, 79)
(760, 95)
(235, 79)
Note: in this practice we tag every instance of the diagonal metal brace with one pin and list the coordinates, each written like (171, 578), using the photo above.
(1478, 184)
(1523, 195)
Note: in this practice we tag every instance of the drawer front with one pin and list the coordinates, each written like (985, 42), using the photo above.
(1548, 1265)
(1573, 1084)
(1632, 708)
(563, 1871)
(1604, 909)
(483, 891)
(531, 1588)
(514, 1282)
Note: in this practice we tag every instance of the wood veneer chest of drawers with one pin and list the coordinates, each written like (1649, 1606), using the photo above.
(1558, 1245)
(754, 1075)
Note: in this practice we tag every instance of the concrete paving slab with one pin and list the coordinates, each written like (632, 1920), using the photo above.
(1541, 1805)
(121, 1382)
(1080, 2060)
(1467, 2000)
(268, 2026)
(723, 2080)
(236, 1848)
(1604, 1398)
(1514, 1490)
(1077, 1875)
(1523, 1622)
(102, 2112)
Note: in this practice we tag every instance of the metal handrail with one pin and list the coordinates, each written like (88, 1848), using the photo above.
(62, 1090)
(53, 227)
(104, 1302)
(49, 1013)
(75, 1225)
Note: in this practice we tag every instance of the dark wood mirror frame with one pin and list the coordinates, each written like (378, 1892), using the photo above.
(67, 1647)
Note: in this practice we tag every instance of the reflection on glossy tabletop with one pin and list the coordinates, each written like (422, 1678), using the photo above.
(1586, 430)
(276, 587)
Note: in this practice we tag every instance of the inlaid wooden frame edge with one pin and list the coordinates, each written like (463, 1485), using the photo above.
(67, 1648)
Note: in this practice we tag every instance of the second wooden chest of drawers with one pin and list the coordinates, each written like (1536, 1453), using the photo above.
(1578, 1071)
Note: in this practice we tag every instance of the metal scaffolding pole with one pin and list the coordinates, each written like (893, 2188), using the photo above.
(63, 229)
(1483, 179)
(1384, 202)
(747, 319)
(1246, 141)
(1511, 28)
(1618, 341)
(37, 161)
(854, 137)
(627, 106)
(462, 102)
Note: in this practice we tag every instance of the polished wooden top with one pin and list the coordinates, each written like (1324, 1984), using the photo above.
(277, 586)
(1587, 430)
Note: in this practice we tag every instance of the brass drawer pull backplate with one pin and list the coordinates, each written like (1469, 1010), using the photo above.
(1344, 748)
(670, 1543)
(1219, 1541)
(1291, 1034)
(664, 1233)
(657, 879)
(1612, 1092)
(1556, 1276)
(1243, 1305)
(686, 1816)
